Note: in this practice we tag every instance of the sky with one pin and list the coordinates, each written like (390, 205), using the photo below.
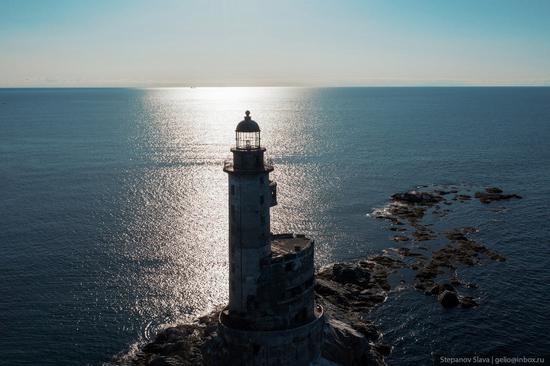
(285, 42)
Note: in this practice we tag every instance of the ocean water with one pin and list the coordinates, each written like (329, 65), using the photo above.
(113, 213)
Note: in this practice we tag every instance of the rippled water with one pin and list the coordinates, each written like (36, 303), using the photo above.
(113, 207)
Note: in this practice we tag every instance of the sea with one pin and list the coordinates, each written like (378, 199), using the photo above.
(113, 208)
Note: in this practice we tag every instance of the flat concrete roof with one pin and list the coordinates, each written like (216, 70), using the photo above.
(287, 243)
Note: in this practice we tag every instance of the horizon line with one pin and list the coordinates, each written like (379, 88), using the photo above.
(290, 85)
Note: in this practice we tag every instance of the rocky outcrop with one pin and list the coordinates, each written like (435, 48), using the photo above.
(412, 208)
(349, 273)
(448, 299)
(417, 197)
(494, 194)
(347, 291)
(347, 346)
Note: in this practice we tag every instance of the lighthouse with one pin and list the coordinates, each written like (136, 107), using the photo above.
(271, 317)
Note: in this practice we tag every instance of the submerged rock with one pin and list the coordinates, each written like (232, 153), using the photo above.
(400, 238)
(423, 234)
(493, 190)
(468, 302)
(448, 299)
(494, 194)
(440, 288)
(463, 197)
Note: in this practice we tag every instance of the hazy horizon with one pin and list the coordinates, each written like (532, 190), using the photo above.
(145, 87)
(126, 43)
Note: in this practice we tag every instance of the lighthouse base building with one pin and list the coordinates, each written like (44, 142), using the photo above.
(271, 318)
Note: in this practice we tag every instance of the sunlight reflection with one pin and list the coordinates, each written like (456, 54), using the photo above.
(175, 237)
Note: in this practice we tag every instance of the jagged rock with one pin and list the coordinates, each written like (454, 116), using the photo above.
(333, 291)
(497, 257)
(386, 261)
(440, 288)
(464, 197)
(444, 193)
(349, 273)
(344, 345)
(468, 302)
(494, 194)
(434, 290)
(455, 235)
(417, 197)
(423, 234)
(406, 252)
(448, 299)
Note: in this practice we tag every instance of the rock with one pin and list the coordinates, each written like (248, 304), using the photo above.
(400, 238)
(417, 197)
(455, 281)
(164, 361)
(491, 195)
(344, 345)
(468, 302)
(406, 252)
(172, 334)
(332, 291)
(448, 299)
(349, 273)
(435, 290)
(393, 228)
(383, 348)
(423, 234)
(497, 257)
(448, 287)
(438, 289)
(455, 234)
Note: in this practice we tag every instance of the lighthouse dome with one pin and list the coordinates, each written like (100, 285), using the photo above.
(247, 124)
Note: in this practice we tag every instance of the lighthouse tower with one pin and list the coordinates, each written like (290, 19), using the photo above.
(251, 194)
(271, 318)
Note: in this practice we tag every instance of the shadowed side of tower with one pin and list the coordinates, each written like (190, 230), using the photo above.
(271, 318)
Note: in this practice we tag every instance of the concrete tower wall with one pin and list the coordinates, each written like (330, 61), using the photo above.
(285, 292)
(249, 236)
(271, 318)
(296, 346)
